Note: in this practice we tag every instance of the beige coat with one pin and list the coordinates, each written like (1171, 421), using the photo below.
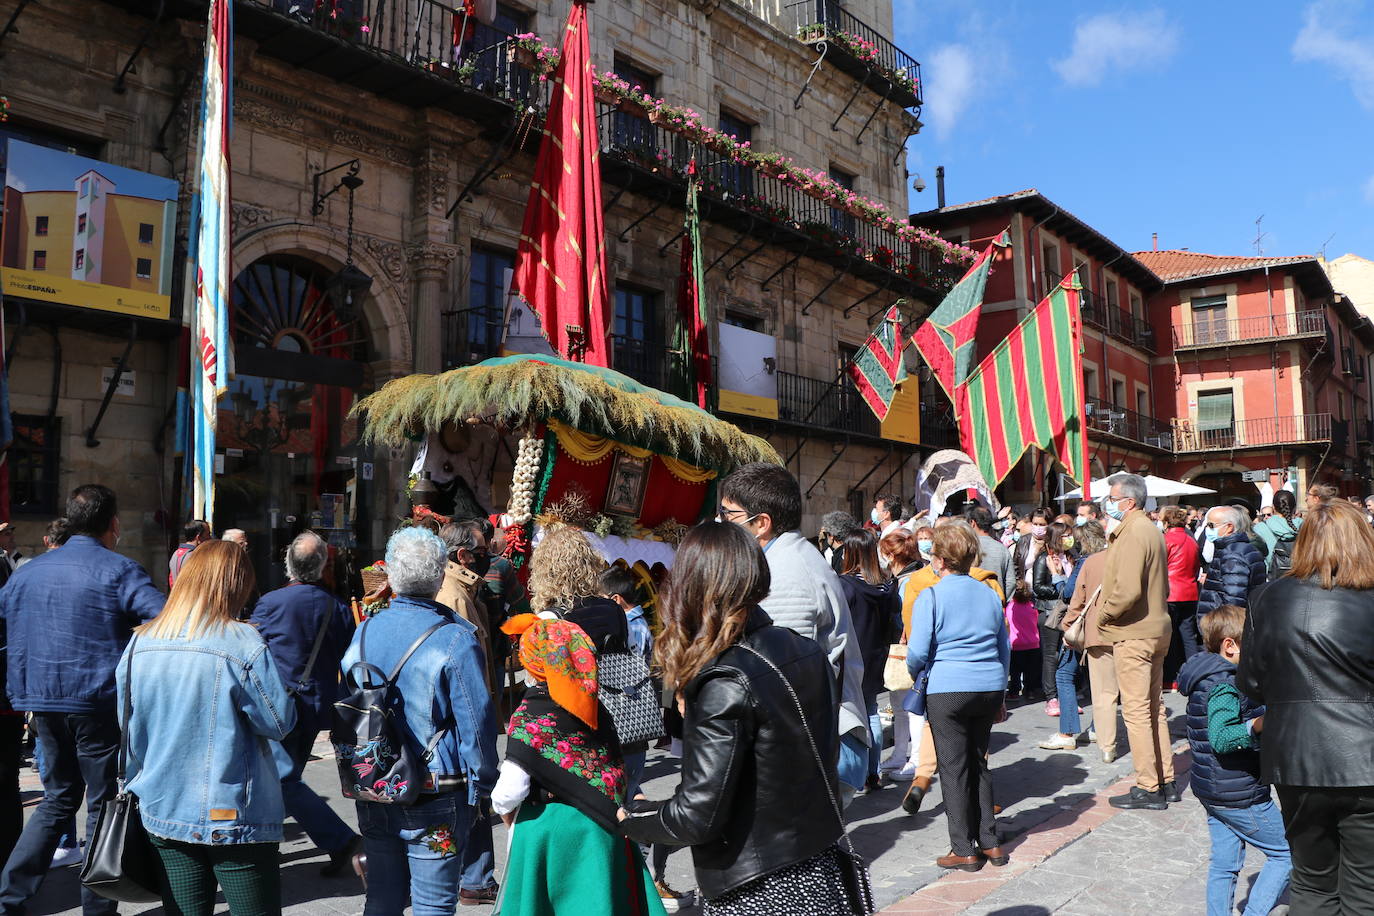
(459, 592)
(1089, 578)
(1135, 588)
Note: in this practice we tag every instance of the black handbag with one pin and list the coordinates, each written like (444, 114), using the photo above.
(858, 886)
(121, 863)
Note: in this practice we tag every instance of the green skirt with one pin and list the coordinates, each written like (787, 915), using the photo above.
(562, 863)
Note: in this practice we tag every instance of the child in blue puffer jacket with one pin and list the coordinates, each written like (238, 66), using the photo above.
(1224, 730)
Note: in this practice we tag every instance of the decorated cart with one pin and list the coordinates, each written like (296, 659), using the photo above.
(555, 441)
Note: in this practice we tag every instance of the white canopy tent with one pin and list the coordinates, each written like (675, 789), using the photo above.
(1155, 488)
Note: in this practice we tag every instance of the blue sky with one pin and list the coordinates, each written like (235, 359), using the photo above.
(37, 168)
(1190, 119)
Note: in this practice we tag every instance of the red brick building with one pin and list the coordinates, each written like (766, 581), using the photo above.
(1196, 367)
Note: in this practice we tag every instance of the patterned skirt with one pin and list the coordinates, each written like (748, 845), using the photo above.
(812, 887)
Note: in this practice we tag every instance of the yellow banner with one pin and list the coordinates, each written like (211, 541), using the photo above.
(903, 423)
(36, 284)
(748, 404)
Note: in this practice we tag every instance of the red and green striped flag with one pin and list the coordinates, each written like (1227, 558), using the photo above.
(1029, 392)
(945, 338)
(878, 367)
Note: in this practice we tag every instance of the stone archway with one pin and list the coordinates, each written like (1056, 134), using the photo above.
(384, 308)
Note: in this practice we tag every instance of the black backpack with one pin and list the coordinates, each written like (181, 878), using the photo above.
(1281, 555)
(376, 753)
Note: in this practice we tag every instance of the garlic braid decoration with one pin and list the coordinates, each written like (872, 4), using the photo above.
(529, 459)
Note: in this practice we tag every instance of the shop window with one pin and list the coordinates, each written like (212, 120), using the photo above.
(145, 233)
(40, 225)
(144, 268)
(1209, 320)
(80, 258)
(736, 178)
(638, 353)
(34, 458)
(474, 334)
(840, 220)
(40, 260)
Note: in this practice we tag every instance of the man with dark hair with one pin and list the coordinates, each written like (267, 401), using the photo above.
(995, 557)
(886, 514)
(69, 615)
(307, 631)
(806, 597)
(193, 534)
(1087, 511)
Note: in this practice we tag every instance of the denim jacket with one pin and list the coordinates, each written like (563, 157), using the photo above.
(442, 686)
(205, 712)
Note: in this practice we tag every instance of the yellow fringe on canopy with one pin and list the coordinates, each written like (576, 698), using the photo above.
(590, 449)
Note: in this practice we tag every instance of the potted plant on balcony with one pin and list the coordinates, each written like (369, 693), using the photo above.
(811, 33)
(609, 89)
(524, 50)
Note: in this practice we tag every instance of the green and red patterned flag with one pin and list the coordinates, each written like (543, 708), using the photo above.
(691, 330)
(1029, 391)
(878, 367)
(945, 338)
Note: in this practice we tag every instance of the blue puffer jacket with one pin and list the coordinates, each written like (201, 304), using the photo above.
(1224, 780)
(1236, 568)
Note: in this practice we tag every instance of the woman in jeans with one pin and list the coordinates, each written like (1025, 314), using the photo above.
(1088, 539)
(875, 611)
(959, 632)
(204, 696)
(757, 802)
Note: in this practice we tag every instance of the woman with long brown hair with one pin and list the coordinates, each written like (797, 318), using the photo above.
(1305, 655)
(757, 802)
(195, 678)
(874, 608)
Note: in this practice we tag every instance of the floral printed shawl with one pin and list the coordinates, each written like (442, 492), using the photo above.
(563, 756)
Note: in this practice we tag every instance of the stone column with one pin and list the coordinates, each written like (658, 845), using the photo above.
(429, 269)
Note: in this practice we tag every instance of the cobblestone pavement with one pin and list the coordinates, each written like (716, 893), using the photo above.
(1071, 853)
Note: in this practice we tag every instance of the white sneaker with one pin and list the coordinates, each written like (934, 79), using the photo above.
(1059, 742)
(1109, 755)
(67, 855)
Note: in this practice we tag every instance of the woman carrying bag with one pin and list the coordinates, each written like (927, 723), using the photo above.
(757, 802)
(203, 695)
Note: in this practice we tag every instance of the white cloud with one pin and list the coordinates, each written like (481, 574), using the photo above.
(951, 81)
(1117, 42)
(1328, 36)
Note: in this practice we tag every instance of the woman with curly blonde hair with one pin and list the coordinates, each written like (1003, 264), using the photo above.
(565, 572)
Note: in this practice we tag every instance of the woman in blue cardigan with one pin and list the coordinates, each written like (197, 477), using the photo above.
(958, 630)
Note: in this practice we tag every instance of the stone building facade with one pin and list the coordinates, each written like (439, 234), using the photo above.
(444, 139)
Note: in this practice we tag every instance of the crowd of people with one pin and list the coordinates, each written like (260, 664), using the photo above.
(772, 655)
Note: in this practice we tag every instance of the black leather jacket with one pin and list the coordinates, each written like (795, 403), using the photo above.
(1308, 655)
(1044, 592)
(752, 799)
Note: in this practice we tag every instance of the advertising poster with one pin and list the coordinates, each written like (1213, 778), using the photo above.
(85, 233)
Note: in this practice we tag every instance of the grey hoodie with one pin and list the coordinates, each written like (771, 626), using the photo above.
(807, 599)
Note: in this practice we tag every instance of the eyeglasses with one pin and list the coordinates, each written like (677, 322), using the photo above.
(728, 514)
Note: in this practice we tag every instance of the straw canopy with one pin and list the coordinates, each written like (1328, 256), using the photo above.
(518, 391)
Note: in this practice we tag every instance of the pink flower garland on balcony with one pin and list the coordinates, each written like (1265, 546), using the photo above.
(689, 123)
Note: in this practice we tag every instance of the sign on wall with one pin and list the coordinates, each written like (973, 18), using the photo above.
(82, 232)
(747, 383)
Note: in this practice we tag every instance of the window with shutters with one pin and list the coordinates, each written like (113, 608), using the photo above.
(1216, 418)
(1209, 320)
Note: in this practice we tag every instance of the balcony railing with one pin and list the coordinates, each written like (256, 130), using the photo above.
(1108, 419)
(1206, 331)
(1098, 313)
(1255, 432)
(403, 39)
(860, 50)
(938, 429)
(651, 363)
(825, 405)
(744, 196)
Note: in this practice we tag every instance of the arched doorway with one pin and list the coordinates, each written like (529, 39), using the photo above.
(290, 452)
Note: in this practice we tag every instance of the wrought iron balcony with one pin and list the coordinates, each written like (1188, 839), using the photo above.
(818, 404)
(1106, 419)
(1098, 313)
(938, 427)
(643, 157)
(1255, 433)
(1206, 331)
(858, 49)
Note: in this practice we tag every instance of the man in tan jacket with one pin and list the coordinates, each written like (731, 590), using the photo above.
(1134, 618)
